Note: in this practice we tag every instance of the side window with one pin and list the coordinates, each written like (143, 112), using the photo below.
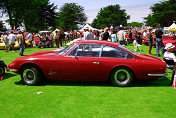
(113, 52)
(88, 50)
(73, 51)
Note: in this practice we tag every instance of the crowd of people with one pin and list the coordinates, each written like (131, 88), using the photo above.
(120, 35)
(10, 39)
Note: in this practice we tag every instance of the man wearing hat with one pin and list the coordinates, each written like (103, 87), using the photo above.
(169, 55)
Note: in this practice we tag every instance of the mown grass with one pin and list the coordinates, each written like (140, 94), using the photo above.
(77, 99)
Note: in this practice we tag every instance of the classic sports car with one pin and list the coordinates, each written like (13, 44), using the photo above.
(16, 46)
(89, 60)
(165, 39)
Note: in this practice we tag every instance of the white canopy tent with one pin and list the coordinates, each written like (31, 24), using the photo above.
(87, 26)
(172, 27)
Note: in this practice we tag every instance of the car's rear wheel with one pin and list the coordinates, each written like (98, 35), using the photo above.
(122, 76)
(31, 75)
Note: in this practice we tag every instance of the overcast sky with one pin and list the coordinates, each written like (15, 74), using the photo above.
(137, 9)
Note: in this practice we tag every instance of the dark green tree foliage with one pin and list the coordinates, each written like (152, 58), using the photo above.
(39, 15)
(111, 15)
(34, 14)
(70, 16)
(2, 28)
(163, 13)
(7, 7)
(135, 24)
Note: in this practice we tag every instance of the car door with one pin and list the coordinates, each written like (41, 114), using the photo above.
(83, 62)
(112, 57)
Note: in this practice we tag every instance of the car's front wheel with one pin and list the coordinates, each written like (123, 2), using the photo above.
(31, 75)
(122, 76)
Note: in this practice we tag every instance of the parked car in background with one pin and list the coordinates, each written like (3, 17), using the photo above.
(91, 60)
(45, 39)
(16, 46)
(165, 39)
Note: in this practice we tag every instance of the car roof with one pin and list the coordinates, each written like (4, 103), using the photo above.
(98, 42)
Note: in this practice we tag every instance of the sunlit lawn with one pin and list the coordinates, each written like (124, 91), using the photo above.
(77, 99)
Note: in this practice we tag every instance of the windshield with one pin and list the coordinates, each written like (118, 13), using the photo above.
(65, 50)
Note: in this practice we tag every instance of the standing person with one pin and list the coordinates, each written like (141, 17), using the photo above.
(87, 34)
(67, 37)
(56, 37)
(130, 36)
(159, 41)
(138, 37)
(101, 34)
(24, 36)
(121, 36)
(105, 35)
(61, 37)
(169, 55)
(20, 40)
(30, 38)
(149, 37)
(71, 35)
(6, 41)
(96, 36)
(137, 41)
(113, 36)
(11, 38)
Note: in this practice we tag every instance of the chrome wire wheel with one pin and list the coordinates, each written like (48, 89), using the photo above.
(29, 76)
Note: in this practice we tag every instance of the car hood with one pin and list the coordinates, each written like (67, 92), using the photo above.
(44, 53)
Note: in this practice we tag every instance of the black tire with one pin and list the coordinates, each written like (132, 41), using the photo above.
(2, 71)
(122, 77)
(31, 75)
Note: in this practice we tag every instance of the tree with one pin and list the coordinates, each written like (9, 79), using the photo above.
(40, 15)
(7, 7)
(2, 28)
(163, 13)
(34, 14)
(135, 24)
(110, 16)
(70, 16)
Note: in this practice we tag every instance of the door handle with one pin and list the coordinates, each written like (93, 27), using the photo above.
(96, 62)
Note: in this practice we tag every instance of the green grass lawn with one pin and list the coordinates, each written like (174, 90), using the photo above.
(77, 99)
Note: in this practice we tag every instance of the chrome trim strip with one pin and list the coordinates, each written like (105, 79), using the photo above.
(165, 74)
(12, 70)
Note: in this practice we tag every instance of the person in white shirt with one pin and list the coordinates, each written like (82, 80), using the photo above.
(30, 38)
(87, 34)
(121, 36)
(169, 55)
(12, 38)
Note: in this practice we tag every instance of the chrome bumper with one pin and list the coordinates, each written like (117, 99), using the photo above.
(12, 70)
(161, 75)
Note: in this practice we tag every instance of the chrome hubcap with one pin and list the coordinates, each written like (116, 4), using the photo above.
(29, 75)
(122, 76)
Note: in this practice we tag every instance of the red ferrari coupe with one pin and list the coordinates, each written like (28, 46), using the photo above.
(89, 60)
